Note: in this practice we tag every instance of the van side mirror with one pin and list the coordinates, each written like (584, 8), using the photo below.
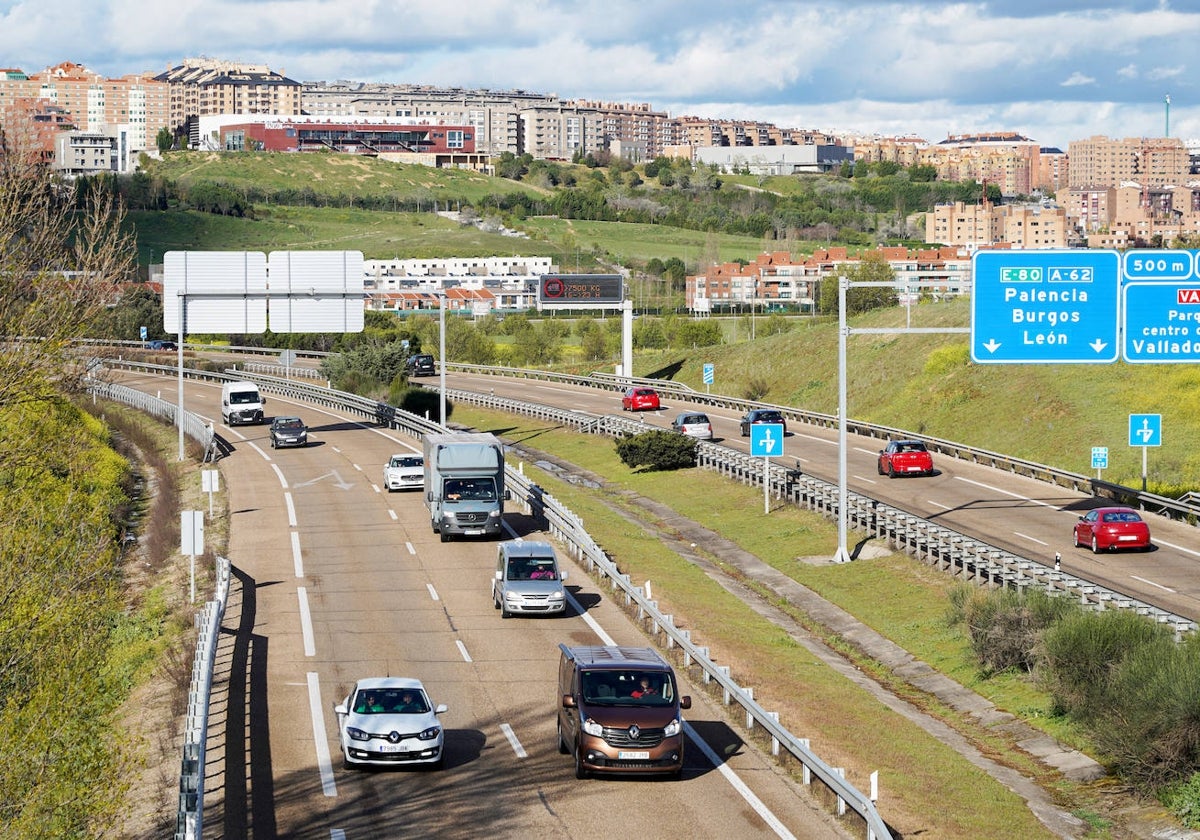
(507, 495)
(563, 576)
(568, 701)
(685, 702)
(499, 575)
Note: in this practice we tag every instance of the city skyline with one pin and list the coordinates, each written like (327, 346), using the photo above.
(1053, 71)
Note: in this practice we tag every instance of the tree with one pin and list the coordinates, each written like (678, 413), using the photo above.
(59, 266)
(873, 267)
(164, 140)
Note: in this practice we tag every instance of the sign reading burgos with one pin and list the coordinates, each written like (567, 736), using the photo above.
(1161, 300)
(580, 290)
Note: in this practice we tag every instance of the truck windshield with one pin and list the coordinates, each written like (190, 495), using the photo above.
(469, 490)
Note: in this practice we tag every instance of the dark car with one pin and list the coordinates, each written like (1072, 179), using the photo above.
(288, 431)
(905, 457)
(161, 344)
(420, 365)
(761, 415)
(1110, 528)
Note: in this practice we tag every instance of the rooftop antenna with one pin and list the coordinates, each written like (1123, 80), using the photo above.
(1167, 126)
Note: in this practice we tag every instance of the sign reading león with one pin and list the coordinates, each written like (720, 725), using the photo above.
(1045, 307)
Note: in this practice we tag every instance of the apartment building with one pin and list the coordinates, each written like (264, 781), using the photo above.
(975, 226)
(471, 285)
(95, 104)
(202, 87)
(777, 279)
(1149, 161)
(970, 226)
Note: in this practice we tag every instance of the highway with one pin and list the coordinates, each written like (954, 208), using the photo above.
(1026, 517)
(336, 579)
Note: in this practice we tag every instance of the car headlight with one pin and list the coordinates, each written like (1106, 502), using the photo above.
(556, 596)
(431, 733)
(494, 514)
(592, 728)
(672, 728)
(357, 734)
(512, 596)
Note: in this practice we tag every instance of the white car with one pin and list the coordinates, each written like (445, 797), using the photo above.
(404, 471)
(386, 721)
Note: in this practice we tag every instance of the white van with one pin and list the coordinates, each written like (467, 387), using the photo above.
(241, 403)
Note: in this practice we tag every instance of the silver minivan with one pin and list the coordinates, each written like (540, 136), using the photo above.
(527, 580)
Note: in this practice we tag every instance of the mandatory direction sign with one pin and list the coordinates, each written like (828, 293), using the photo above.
(766, 439)
(1045, 307)
(1161, 305)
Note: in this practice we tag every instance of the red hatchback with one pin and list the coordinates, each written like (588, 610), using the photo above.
(905, 457)
(640, 399)
(1110, 528)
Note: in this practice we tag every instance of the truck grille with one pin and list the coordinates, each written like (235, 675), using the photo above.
(471, 518)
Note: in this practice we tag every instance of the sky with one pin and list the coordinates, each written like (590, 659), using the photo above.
(1051, 70)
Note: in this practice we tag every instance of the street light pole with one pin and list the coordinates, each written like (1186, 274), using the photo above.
(442, 358)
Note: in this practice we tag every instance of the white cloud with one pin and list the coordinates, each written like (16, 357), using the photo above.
(1076, 79)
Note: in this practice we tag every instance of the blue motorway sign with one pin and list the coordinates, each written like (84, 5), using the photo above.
(1145, 430)
(1099, 457)
(1045, 307)
(766, 439)
(1161, 302)
(708, 373)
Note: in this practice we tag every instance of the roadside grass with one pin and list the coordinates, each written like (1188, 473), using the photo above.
(640, 242)
(335, 175)
(900, 598)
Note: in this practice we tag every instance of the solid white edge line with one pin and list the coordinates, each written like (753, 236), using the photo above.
(735, 782)
(282, 481)
(463, 650)
(321, 741)
(306, 628)
(291, 509)
(297, 557)
(432, 592)
(513, 740)
(1190, 551)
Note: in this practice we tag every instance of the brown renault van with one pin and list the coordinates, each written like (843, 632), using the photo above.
(619, 711)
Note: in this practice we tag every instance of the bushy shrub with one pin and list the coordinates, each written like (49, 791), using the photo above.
(1006, 626)
(657, 450)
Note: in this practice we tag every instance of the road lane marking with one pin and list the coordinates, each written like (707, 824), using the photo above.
(322, 741)
(291, 509)
(513, 741)
(1190, 551)
(1007, 493)
(411, 549)
(939, 504)
(735, 782)
(1031, 539)
(432, 592)
(392, 514)
(866, 480)
(297, 557)
(463, 650)
(1152, 583)
(282, 481)
(306, 628)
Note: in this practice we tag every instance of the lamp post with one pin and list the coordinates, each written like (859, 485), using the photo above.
(442, 358)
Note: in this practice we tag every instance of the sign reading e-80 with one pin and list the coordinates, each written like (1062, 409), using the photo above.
(580, 290)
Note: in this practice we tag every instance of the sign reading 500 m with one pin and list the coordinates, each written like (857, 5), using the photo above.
(580, 290)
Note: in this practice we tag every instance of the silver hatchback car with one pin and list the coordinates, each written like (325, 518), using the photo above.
(693, 424)
(528, 580)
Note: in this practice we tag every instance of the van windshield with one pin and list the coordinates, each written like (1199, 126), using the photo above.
(243, 397)
(628, 688)
(470, 489)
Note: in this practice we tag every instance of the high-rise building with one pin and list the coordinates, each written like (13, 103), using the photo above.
(1148, 161)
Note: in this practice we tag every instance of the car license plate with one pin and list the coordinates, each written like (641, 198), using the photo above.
(913, 469)
(1126, 538)
(393, 748)
(633, 755)
(473, 532)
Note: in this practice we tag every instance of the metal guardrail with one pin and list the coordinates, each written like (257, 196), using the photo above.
(567, 527)
(189, 821)
(193, 426)
(1185, 509)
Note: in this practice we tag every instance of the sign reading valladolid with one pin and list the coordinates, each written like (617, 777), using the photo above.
(1045, 307)
(1161, 301)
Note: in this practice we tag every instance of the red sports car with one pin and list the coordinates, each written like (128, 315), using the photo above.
(640, 399)
(905, 457)
(1110, 528)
